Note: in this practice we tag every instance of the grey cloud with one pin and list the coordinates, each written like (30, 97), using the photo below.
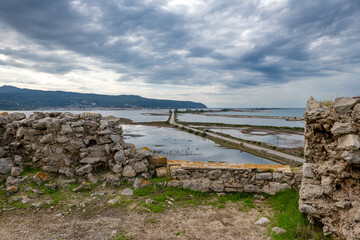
(147, 39)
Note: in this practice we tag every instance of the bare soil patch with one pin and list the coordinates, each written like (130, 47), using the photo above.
(102, 222)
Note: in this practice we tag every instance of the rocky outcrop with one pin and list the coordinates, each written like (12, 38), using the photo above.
(330, 190)
(70, 144)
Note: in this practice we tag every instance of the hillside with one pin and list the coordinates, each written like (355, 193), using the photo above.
(13, 98)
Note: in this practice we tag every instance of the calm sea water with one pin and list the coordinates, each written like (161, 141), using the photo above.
(179, 145)
(143, 115)
(282, 112)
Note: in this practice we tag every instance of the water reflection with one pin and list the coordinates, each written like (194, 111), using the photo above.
(283, 140)
(178, 145)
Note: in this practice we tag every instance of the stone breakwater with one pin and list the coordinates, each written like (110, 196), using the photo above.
(330, 190)
(71, 145)
(225, 177)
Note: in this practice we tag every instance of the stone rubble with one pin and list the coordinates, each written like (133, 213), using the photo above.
(262, 221)
(234, 180)
(71, 144)
(330, 190)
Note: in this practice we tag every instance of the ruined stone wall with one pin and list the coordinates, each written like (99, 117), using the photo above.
(330, 190)
(69, 144)
(236, 179)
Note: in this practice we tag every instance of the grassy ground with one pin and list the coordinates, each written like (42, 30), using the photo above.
(282, 208)
(287, 216)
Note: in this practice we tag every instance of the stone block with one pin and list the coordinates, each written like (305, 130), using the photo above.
(263, 176)
(349, 142)
(343, 104)
(341, 129)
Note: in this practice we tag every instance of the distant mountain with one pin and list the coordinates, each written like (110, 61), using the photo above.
(13, 98)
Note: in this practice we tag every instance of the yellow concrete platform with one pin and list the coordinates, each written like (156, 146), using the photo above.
(217, 165)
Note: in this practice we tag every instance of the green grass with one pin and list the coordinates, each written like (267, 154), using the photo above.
(288, 216)
(161, 195)
(121, 236)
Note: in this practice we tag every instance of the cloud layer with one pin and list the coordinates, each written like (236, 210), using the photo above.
(223, 53)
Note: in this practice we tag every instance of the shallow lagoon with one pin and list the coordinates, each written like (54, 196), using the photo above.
(278, 140)
(179, 145)
(240, 121)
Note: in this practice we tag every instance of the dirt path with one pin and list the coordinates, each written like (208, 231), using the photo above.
(201, 222)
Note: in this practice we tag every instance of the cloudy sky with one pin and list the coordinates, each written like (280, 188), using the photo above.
(249, 53)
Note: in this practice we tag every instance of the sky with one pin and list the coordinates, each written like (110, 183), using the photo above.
(249, 53)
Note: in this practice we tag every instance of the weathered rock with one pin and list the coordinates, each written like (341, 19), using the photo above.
(158, 161)
(53, 169)
(119, 157)
(313, 105)
(143, 153)
(342, 104)
(127, 192)
(326, 183)
(112, 178)
(12, 189)
(263, 176)
(277, 230)
(329, 192)
(252, 188)
(308, 170)
(129, 172)
(49, 138)
(262, 221)
(311, 191)
(214, 174)
(277, 176)
(353, 158)
(217, 186)
(37, 205)
(140, 167)
(5, 165)
(66, 129)
(90, 160)
(16, 171)
(84, 170)
(305, 208)
(82, 187)
(41, 177)
(341, 129)
(115, 138)
(117, 168)
(149, 201)
(2, 152)
(92, 178)
(139, 183)
(349, 142)
(161, 172)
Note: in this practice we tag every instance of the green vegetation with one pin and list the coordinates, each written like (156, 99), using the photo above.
(288, 216)
(121, 236)
(163, 195)
(35, 99)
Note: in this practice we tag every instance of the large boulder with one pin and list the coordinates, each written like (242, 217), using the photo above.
(5, 165)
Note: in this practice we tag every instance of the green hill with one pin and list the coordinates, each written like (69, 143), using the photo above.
(13, 98)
